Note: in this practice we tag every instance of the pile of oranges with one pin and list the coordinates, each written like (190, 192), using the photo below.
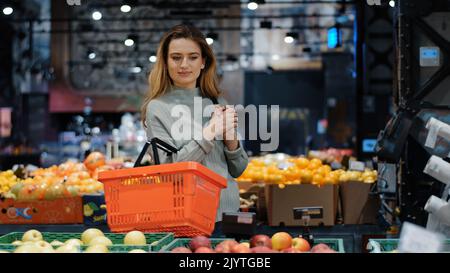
(66, 180)
(7, 180)
(300, 170)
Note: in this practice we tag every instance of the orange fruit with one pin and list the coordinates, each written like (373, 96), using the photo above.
(323, 170)
(318, 179)
(302, 162)
(94, 160)
(306, 176)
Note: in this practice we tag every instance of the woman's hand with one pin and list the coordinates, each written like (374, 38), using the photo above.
(230, 134)
(215, 128)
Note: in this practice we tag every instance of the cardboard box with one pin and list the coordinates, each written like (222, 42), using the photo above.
(58, 211)
(355, 203)
(94, 210)
(249, 188)
(280, 203)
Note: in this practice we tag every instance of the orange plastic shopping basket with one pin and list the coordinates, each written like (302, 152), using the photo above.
(179, 197)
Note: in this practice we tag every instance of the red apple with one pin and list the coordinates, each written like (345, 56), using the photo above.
(301, 244)
(281, 240)
(261, 249)
(204, 249)
(319, 248)
(221, 249)
(261, 240)
(181, 249)
(226, 246)
(199, 241)
(240, 248)
(292, 250)
(327, 251)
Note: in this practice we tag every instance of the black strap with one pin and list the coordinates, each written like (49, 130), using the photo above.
(214, 100)
(156, 144)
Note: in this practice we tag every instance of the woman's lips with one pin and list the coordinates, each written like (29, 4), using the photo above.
(184, 74)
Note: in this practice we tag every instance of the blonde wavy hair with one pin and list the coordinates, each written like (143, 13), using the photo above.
(159, 79)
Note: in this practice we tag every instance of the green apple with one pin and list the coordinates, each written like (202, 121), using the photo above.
(76, 242)
(97, 249)
(32, 236)
(101, 240)
(28, 248)
(137, 251)
(56, 243)
(90, 234)
(44, 247)
(17, 243)
(69, 248)
(55, 191)
(135, 238)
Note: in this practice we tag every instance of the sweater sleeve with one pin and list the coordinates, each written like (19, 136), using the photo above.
(237, 160)
(159, 123)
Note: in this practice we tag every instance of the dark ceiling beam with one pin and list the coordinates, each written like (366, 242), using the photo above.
(220, 4)
(157, 30)
(171, 18)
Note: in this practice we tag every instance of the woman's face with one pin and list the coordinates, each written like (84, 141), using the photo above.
(184, 62)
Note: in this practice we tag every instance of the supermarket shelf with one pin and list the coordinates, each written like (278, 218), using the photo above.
(353, 235)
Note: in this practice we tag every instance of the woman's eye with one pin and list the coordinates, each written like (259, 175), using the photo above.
(176, 58)
(194, 58)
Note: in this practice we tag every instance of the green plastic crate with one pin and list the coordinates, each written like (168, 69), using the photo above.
(112, 249)
(391, 245)
(335, 244)
(155, 241)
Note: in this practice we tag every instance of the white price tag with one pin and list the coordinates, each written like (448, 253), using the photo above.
(244, 220)
(357, 166)
(416, 239)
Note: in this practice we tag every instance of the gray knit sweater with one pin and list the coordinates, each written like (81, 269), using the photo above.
(212, 154)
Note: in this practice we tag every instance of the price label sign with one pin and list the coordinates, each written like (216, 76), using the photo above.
(416, 239)
(357, 166)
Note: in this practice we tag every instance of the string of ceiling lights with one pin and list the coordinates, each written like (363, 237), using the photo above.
(127, 5)
(132, 39)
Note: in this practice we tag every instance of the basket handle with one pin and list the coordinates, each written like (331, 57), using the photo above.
(156, 143)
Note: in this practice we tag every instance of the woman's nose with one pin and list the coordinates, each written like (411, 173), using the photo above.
(184, 62)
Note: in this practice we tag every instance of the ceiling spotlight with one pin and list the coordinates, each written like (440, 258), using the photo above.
(152, 59)
(8, 11)
(96, 15)
(91, 55)
(252, 5)
(290, 37)
(392, 3)
(125, 8)
(131, 40)
(136, 69)
(211, 37)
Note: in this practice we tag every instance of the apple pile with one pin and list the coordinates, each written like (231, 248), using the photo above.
(94, 241)
(279, 242)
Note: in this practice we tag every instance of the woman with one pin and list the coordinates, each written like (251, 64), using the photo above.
(183, 75)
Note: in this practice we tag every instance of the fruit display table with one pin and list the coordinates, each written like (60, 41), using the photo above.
(352, 235)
